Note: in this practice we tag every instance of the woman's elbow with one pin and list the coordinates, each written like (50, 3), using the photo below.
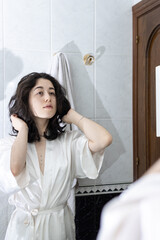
(101, 144)
(16, 170)
(107, 140)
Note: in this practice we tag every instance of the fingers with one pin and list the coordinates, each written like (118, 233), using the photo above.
(13, 116)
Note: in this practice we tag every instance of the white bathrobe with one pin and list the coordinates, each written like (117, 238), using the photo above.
(135, 214)
(41, 211)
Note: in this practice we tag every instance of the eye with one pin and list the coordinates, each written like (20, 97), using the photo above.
(40, 93)
(52, 93)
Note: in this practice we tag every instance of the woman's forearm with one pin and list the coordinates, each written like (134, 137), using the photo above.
(99, 137)
(19, 151)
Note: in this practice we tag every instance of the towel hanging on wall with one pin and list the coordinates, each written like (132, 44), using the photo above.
(60, 70)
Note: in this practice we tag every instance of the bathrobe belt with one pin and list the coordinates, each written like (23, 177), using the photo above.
(35, 212)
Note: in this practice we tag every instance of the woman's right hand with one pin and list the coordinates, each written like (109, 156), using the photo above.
(18, 123)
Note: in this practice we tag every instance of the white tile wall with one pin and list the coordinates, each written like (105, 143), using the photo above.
(114, 26)
(83, 86)
(114, 87)
(74, 22)
(118, 165)
(1, 23)
(27, 24)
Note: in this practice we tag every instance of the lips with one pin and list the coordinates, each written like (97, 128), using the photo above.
(48, 106)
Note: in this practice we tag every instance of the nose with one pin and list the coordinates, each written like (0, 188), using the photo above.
(47, 97)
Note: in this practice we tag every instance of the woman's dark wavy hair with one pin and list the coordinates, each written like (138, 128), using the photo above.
(19, 105)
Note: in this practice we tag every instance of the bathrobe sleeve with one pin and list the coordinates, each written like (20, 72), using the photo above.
(135, 214)
(8, 183)
(86, 164)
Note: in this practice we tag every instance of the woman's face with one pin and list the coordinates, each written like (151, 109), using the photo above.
(42, 99)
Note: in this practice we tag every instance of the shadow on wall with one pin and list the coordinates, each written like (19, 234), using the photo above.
(10, 81)
(99, 52)
(112, 153)
(11, 70)
(13, 66)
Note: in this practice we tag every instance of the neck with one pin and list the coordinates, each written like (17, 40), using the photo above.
(41, 125)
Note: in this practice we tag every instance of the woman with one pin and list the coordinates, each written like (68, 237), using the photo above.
(39, 163)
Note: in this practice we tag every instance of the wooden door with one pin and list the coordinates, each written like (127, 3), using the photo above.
(146, 56)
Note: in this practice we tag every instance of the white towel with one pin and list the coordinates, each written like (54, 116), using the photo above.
(60, 70)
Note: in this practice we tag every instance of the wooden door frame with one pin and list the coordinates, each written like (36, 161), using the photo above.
(138, 10)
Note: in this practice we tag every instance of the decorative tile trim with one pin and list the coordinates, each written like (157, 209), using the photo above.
(102, 189)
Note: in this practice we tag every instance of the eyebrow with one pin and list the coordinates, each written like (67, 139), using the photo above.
(50, 88)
